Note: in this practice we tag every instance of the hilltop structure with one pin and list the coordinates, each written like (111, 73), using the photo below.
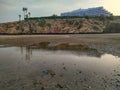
(97, 11)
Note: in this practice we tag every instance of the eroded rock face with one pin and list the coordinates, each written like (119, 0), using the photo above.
(78, 25)
(2, 30)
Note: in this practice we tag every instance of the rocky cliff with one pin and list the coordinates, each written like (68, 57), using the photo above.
(76, 25)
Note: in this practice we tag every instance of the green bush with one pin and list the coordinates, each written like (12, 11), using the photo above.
(41, 23)
(102, 18)
(87, 17)
(70, 22)
(112, 28)
(49, 25)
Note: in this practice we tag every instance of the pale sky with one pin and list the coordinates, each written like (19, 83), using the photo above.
(10, 9)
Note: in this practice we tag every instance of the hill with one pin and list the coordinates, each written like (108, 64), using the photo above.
(62, 25)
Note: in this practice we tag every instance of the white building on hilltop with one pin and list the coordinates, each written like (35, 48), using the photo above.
(97, 11)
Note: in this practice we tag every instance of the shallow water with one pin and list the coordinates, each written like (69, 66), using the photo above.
(22, 68)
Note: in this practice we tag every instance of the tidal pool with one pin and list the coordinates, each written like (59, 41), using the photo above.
(23, 68)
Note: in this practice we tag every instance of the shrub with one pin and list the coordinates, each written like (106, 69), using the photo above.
(70, 22)
(49, 25)
(102, 18)
(112, 28)
(41, 23)
(87, 17)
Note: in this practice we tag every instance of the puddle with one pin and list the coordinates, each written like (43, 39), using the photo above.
(58, 67)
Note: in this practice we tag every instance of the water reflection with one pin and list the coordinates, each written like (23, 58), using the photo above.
(75, 69)
(27, 51)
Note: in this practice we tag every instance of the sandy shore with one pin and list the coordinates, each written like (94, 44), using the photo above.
(104, 43)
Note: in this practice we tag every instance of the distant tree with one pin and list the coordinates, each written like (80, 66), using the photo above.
(19, 17)
(54, 15)
(29, 14)
(26, 16)
(20, 24)
(25, 11)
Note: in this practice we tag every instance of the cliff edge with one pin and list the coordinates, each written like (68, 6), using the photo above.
(73, 25)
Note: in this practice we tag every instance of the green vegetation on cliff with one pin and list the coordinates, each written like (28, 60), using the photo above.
(112, 28)
(41, 22)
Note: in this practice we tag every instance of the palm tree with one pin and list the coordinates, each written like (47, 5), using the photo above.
(19, 17)
(29, 14)
(25, 11)
(26, 16)
(20, 22)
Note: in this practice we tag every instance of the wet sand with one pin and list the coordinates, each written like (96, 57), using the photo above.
(104, 43)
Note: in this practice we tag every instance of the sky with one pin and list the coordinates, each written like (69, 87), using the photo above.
(10, 9)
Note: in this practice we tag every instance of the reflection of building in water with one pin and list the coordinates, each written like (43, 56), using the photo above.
(27, 51)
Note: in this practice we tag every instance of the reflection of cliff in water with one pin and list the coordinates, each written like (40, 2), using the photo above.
(74, 48)
(92, 53)
(65, 47)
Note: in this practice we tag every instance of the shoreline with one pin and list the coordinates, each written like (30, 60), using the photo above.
(54, 33)
(103, 43)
